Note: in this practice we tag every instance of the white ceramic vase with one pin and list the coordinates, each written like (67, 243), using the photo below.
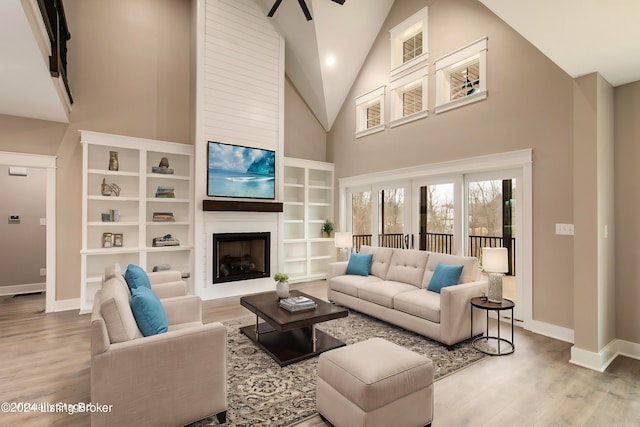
(282, 289)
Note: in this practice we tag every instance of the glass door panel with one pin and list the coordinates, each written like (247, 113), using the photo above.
(491, 222)
(361, 218)
(437, 217)
(491, 219)
(391, 218)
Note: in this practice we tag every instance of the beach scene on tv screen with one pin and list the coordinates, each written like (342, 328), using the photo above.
(236, 171)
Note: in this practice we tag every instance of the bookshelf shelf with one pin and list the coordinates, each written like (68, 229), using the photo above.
(135, 206)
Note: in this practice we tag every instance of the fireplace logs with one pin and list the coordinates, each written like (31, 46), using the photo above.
(240, 256)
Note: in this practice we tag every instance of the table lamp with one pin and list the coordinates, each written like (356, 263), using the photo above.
(495, 262)
(344, 241)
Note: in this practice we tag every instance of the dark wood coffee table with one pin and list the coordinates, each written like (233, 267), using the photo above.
(290, 337)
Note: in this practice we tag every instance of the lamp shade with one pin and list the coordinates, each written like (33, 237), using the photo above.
(343, 239)
(495, 260)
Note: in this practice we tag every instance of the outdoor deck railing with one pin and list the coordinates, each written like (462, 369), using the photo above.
(438, 242)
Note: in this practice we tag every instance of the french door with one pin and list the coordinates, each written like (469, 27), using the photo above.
(437, 214)
(492, 218)
(380, 216)
(455, 207)
(452, 214)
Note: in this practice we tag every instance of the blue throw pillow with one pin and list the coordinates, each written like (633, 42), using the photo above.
(148, 312)
(359, 264)
(443, 276)
(136, 277)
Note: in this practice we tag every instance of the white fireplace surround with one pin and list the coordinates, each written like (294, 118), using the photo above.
(235, 222)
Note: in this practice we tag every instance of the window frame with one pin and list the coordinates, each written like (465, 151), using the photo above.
(399, 87)
(418, 22)
(454, 61)
(363, 102)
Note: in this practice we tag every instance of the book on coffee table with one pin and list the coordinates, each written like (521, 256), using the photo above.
(298, 303)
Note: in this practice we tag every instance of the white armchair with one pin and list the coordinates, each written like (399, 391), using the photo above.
(169, 379)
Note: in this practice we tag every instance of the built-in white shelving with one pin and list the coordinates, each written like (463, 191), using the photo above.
(135, 204)
(307, 203)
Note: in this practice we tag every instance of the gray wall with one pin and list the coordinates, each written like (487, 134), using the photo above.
(304, 136)
(627, 211)
(129, 68)
(131, 76)
(529, 106)
(22, 243)
(593, 190)
(130, 73)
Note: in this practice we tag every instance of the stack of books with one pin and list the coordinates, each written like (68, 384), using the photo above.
(165, 192)
(166, 240)
(163, 217)
(298, 303)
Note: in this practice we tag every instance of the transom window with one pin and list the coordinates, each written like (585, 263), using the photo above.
(370, 112)
(412, 47)
(373, 116)
(461, 76)
(409, 46)
(409, 97)
(465, 81)
(412, 101)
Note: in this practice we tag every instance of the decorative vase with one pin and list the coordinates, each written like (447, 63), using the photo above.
(495, 288)
(113, 161)
(282, 289)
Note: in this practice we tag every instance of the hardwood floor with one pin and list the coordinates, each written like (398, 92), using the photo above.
(45, 358)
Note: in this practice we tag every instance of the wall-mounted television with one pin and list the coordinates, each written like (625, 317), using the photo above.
(237, 171)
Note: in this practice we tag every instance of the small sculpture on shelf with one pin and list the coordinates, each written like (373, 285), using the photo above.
(113, 161)
(109, 189)
(163, 167)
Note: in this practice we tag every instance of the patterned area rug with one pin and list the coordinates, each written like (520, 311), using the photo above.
(261, 393)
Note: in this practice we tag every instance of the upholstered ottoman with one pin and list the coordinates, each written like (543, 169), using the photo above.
(375, 383)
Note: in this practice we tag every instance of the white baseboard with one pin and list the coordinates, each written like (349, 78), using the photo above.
(601, 360)
(66, 304)
(629, 349)
(591, 360)
(28, 288)
(551, 331)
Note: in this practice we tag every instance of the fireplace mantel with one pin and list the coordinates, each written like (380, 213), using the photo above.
(242, 206)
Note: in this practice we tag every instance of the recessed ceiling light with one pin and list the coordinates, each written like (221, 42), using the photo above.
(330, 60)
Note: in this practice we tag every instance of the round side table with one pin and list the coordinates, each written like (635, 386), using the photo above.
(488, 306)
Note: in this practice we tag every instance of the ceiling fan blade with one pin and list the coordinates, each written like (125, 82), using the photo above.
(303, 6)
(274, 8)
(305, 9)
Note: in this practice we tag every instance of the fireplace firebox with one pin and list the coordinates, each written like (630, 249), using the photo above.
(240, 256)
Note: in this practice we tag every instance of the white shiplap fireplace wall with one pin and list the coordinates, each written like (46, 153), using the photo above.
(239, 100)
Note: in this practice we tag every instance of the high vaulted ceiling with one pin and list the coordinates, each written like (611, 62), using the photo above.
(343, 34)
(580, 36)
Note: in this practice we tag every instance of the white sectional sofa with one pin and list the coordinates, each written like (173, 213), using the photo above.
(396, 291)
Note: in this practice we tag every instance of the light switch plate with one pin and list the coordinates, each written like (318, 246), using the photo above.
(564, 229)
